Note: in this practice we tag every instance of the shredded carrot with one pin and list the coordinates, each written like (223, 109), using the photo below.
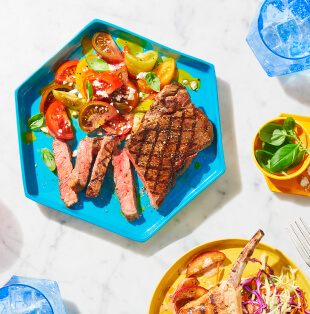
(302, 305)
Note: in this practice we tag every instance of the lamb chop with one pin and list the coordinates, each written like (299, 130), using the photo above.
(171, 134)
(226, 300)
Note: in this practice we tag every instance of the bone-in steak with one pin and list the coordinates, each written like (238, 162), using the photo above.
(171, 134)
(63, 160)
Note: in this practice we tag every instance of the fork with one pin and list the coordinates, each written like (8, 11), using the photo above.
(302, 243)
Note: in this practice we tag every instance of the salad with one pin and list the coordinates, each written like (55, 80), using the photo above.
(110, 90)
(270, 293)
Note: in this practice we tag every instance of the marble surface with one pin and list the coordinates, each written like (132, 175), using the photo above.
(98, 271)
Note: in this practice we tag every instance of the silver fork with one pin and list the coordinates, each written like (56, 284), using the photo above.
(301, 242)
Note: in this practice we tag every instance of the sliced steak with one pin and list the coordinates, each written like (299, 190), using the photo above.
(125, 184)
(63, 159)
(87, 151)
(101, 164)
(83, 163)
(171, 134)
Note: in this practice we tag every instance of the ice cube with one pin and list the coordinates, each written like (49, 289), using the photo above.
(300, 9)
(297, 49)
(288, 31)
(271, 37)
(305, 28)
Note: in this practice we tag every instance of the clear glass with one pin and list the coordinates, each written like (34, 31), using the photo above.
(279, 36)
(32, 296)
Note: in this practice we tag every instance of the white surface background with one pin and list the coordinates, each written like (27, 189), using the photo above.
(98, 271)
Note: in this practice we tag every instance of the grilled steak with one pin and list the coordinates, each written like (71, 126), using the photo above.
(171, 134)
(63, 159)
(124, 184)
(100, 166)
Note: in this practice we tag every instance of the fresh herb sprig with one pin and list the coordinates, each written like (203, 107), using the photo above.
(279, 154)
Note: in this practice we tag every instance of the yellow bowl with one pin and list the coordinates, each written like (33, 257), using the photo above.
(231, 248)
(301, 133)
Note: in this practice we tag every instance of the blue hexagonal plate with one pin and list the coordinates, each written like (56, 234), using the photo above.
(41, 185)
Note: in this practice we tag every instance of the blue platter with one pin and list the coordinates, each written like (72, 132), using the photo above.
(41, 185)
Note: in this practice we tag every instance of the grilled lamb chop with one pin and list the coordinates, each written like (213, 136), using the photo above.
(63, 160)
(226, 300)
(124, 184)
(171, 134)
(101, 164)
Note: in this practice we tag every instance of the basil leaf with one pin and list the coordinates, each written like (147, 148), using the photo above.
(271, 148)
(273, 134)
(152, 80)
(289, 124)
(36, 122)
(48, 158)
(89, 90)
(300, 157)
(97, 65)
(284, 157)
(263, 157)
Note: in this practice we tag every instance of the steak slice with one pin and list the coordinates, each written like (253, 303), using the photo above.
(125, 184)
(87, 150)
(100, 166)
(171, 134)
(63, 160)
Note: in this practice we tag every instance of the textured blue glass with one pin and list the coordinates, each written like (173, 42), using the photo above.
(31, 296)
(279, 36)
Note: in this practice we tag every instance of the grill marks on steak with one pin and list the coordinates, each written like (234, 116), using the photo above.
(100, 166)
(124, 184)
(171, 134)
(63, 160)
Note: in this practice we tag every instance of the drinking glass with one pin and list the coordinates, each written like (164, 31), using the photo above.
(31, 296)
(279, 36)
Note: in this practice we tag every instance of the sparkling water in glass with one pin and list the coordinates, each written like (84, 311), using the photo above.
(279, 36)
(31, 296)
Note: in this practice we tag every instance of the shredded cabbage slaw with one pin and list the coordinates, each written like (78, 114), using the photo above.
(268, 293)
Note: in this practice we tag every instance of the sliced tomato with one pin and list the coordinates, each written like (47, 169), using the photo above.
(120, 125)
(126, 98)
(150, 97)
(48, 97)
(66, 73)
(125, 49)
(165, 72)
(105, 46)
(142, 62)
(82, 71)
(103, 84)
(58, 122)
(94, 114)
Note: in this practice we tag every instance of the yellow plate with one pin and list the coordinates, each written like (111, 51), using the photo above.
(232, 248)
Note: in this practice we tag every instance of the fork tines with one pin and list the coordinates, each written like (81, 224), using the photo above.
(301, 240)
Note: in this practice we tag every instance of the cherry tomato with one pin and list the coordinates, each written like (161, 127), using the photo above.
(120, 125)
(120, 97)
(150, 97)
(142, 62)
(48, 97)
(105, 46)
(94, 114)
(66, 73)
(58, 122)
(103, 84)
(82, 71)
(165, 72)
(125, 49)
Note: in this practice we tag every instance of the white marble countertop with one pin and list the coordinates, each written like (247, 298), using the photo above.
(101, 272)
